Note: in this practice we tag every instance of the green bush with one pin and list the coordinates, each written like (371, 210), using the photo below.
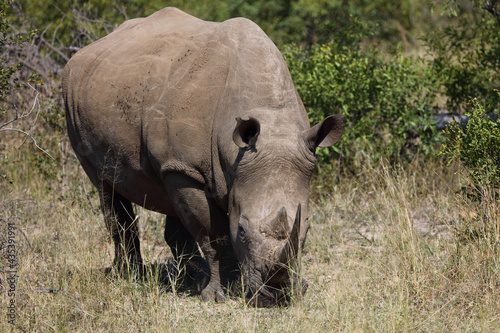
(388, 100)
(387, 103)
(477, 146)
(466, 59)
(9, 72)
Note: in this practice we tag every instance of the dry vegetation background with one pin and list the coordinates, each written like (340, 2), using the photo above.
(382, 255)
(393, 247)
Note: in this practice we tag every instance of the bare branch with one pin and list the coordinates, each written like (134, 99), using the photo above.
(27, 135)
(8, 126)
(37, 70)
(56, 50)
(73, 48)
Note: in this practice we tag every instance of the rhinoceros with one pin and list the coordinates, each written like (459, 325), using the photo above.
(199, 121)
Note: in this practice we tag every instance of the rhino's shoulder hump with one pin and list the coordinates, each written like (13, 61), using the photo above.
(172, 13)
(247, 34)
(169, 16)
(133, 34)
(241, 25)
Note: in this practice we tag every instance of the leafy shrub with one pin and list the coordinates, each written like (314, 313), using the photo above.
(466, 59)
(9, 72)
(477, 147)
(387, 102)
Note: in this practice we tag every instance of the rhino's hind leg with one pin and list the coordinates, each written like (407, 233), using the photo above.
(122, 225)
(188, 260)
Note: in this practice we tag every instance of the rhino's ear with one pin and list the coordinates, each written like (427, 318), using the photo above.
(325, 133)
(246, 132)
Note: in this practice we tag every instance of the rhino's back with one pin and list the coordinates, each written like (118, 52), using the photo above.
(151, 73)
(127, 73)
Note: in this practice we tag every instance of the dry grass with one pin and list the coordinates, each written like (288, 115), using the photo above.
(383, 254)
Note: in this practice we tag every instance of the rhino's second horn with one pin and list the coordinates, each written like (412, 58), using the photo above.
(291, 248)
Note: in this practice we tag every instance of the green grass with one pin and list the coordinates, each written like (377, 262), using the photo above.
(383, 254)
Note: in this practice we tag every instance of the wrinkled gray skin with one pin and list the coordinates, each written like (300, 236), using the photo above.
(199, 121)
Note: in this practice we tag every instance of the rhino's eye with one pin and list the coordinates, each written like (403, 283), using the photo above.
(242, 228)
(241, 232)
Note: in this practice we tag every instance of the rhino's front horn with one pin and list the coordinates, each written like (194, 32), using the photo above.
(290, 251)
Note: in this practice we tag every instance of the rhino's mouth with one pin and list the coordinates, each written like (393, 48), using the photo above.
(273, 281)
(275, 294)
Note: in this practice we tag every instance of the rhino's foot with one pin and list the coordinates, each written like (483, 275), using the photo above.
(117, 272)
(213, 291)
(197, 274)
(131, 271)
(128, 263)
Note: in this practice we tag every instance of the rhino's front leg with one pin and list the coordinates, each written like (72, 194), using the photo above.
(214, 289)
(209, 226)
(223, 263)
